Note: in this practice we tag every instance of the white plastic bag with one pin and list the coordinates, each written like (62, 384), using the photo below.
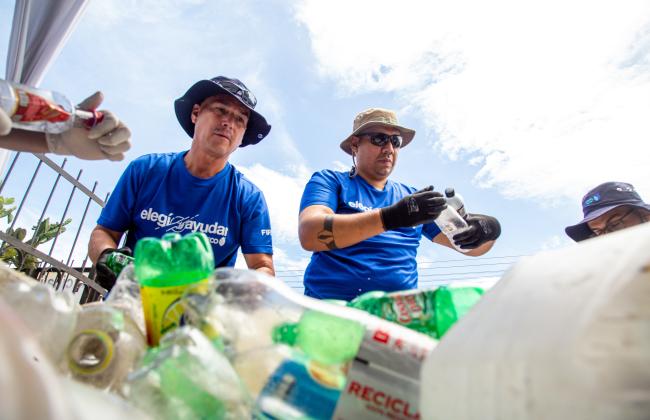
(564, 335)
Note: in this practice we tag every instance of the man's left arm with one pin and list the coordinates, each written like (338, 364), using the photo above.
(256, 241)
(260, 262)
(478, 238)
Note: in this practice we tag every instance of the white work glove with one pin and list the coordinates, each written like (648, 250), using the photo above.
(107, 140)
(5, 123)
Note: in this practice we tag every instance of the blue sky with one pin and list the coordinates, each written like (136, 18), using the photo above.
(521, 107)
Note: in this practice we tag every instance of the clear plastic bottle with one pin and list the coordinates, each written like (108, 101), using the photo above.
(50, 316)
(187, 377)
(456, 201)
(450, 223)
(42, 110)
(371, 364)
(109, 338)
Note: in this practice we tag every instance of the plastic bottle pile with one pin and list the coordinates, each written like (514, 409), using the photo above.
(234, 344)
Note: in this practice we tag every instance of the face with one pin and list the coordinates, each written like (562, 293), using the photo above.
(219, 125)
(618, 218)
(375, 162)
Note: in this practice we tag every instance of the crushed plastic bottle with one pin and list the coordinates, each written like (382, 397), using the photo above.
(50, 316)
(105, 346)
(431, 312)
(165, 268)
(255, 316)
(186, 377)
(42, 110)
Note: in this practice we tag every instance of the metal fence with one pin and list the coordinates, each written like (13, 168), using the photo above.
(61, 264)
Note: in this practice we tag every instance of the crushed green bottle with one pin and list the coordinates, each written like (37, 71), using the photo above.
(164, 268)
(431, 312)
(116, 261)
(325, 338)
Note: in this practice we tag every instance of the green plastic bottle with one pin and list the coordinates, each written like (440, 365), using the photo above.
(165, 268)
(431, 312)
(116, 261)
(326, 338)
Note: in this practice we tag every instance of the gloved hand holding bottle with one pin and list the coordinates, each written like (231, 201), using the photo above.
(82, 131)
(109, 264)
(481, 229)
(422, 206)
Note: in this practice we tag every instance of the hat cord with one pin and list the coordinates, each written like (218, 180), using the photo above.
(353, 170)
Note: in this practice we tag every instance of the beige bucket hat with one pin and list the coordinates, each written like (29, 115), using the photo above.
(374, 117)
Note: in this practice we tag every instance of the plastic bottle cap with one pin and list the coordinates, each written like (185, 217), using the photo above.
(449, 192)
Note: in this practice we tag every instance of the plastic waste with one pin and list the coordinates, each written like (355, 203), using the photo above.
(42, 110)
(165, 268)
(431, 312)
(50, 316)
(450, 223)
(105, 346)
(250, 313)
(186, 377)
(456, 201)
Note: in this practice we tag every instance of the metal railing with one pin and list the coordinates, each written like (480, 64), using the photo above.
(54, 265)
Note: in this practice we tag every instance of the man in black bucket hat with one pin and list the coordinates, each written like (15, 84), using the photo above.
(607, 208)
(196, 190)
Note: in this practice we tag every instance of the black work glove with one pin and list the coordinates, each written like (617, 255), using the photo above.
(420, 207)
(104, 276)
(481, 230)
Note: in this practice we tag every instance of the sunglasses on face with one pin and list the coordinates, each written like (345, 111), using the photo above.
(245, 95)
(381, 139)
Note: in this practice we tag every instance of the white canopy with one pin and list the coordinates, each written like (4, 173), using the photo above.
(39, 31)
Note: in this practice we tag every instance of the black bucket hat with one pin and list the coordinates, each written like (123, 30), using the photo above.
(257, 127)
(599, 201)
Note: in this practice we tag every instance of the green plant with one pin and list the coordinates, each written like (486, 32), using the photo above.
(43, 232)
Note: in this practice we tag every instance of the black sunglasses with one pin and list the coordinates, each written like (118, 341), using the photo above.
(245, 95)
(381, 139)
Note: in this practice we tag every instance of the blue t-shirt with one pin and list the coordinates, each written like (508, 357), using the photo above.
(156, 194)
(384, 262)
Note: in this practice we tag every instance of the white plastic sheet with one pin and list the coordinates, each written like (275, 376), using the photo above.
(564, 335)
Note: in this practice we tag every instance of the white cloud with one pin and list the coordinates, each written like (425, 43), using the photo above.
(555, 242)
(546, 99)
(282, 193)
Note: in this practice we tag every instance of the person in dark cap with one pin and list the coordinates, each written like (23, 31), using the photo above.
(607, 208)
(196, 190)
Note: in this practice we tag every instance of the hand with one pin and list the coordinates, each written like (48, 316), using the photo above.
(481, 230)
(5, 123)
(107, 140)
(420, 207)
(104, 276)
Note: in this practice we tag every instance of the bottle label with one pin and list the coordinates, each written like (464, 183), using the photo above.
(384, 379)
(163, 309)
(302, 390)
(31, 108)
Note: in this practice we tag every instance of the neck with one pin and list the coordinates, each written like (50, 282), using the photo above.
(375, 182)
(201, 165)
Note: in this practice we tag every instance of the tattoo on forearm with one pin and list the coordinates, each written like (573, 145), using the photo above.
(326, 236)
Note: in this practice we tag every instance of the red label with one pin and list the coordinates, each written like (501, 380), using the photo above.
(36, 108)
(381, 336)
(382, 402)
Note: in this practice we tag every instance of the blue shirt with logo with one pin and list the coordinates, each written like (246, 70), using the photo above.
(156, 194)
(383, 262)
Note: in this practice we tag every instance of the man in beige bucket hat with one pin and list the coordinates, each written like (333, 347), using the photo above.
(363, 228)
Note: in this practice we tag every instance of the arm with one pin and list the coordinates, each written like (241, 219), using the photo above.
(478, 251)
(321, 230)
(102, 238)
(24, 141)
(109, 139)
(260, 262)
